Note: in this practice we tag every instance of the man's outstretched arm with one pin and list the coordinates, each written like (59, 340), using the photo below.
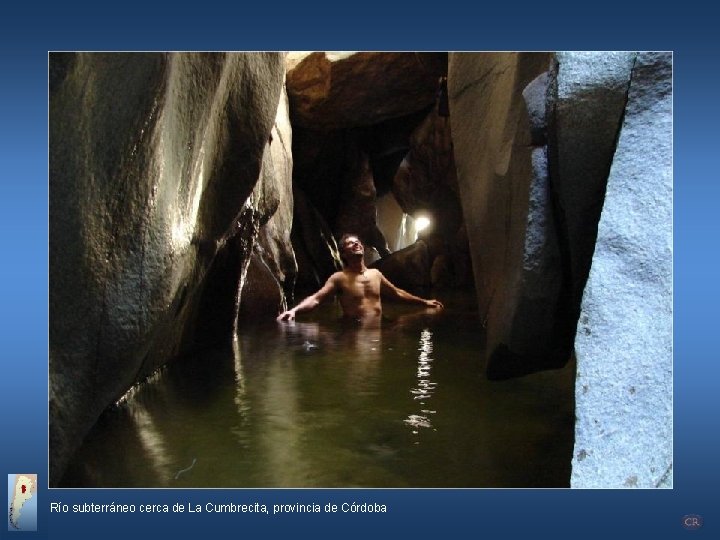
(311, 302)
(397, 292)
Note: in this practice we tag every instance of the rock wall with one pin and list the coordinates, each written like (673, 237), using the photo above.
(541, 156)
(271, 273)
(623, 433)
(534, 138)
(587, 102)
(426, 184)
(426, 180)
(152, 159)
(334, 172)
(499, 166)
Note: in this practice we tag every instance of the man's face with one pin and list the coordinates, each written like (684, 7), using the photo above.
(353, 246)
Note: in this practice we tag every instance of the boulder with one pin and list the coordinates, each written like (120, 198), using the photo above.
(589, 93)
(499, 172)
(426, 180)
(151, 160)
(408, 268)
(339, 90)
(624, 342)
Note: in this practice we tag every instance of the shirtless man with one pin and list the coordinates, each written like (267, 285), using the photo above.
(357, 286)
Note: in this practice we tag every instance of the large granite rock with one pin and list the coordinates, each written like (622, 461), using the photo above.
(152, 158)
(623, 434)
(338, 90)
(503, 185)
(587, 103)
(426, 180)
(408, 268)
(533, 151)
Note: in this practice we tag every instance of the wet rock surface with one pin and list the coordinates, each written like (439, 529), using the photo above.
(152, 157)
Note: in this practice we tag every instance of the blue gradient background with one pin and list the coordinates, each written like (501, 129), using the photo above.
(691, 31)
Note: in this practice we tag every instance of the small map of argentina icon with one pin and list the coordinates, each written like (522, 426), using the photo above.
(22, 502)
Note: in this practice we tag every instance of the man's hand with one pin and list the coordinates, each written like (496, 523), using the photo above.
(288, 315)
(434, 304)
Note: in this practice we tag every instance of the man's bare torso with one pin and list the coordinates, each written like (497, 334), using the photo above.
(359, 293)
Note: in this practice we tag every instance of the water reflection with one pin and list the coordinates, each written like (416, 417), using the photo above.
(269, 419)
(153, 444)
(242, 401)
(328, 404)
(425, 387)
(359, 340)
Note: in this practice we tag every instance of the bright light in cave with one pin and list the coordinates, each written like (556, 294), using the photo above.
(422, 223)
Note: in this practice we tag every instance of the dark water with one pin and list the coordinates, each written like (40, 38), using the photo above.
(321, 404)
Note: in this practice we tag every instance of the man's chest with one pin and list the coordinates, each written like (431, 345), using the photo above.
(362, 285)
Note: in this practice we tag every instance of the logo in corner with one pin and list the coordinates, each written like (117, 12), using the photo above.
(692, 522)
(22, 502)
